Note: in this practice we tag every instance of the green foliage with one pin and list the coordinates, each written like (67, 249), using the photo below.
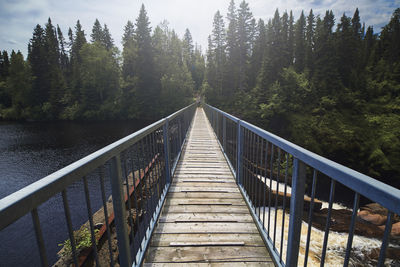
(156, 74)
(82, 240)
(334, 92)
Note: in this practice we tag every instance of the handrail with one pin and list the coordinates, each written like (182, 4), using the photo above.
(377, 191)
(164, 137)
(23, 201)
(254, 149)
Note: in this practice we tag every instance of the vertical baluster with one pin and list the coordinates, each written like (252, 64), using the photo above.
(246, 160)
(276, 192)
(351, 230)
(271, 166)
(119, 211)
(284, 205)
(39, 237)
(136, 202)
(125, 172)
(145, 178)
(328, 222)
(224, 135)
(252, 168)
(69, 225)
(385, 240)
(259, 181)
(296, 212)
(310, 215)
(166, 152)
(91, 224)
(103, 197)
(265, 179)
(239, 154)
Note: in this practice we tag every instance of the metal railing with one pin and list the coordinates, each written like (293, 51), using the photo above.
(264, 164)
(139, 168)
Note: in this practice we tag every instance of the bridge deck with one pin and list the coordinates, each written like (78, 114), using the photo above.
(205, 219)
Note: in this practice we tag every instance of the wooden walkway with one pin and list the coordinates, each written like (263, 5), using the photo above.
(205, 220)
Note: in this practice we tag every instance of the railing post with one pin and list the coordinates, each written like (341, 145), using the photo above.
(224, 133)
(239, 148)
(296, 211)
(120, 212)
(166, 152)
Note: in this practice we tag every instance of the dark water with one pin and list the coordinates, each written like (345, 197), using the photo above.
(30, 151)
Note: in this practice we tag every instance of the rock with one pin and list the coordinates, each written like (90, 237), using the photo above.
(375, 208)
(374, 218)
(396, 229)
(98, 226)
(340, 222)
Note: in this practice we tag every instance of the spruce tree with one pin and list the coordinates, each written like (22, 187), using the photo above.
(299, 44)
(4, 65)
(245, 33)
(144, 65)
(107, 40)
(38, 64)
(128, 51)
(97, 32)
(310, 31)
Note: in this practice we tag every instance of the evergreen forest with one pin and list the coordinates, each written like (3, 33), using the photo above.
(331, 85)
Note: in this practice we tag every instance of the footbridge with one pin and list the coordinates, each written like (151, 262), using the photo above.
(204, 188)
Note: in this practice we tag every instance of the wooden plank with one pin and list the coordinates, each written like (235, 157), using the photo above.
(209, 227)
(206, 244)
(214, 264)
(203, 189)
(205, 184)
(183, 179)
(249, 239)
(199, 217)
(207, 254)
(205, 208)
(204, 195)
(202, 201)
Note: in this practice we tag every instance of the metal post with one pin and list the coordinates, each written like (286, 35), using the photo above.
(120, 212)
(239, 144)
(166, 152)
(224, 133)
(296, 211)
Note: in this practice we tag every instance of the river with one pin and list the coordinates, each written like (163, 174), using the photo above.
(31, 150)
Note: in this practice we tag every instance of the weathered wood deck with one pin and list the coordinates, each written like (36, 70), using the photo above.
(205, 220)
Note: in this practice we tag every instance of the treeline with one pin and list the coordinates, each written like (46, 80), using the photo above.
(73, 78)
(333, 90)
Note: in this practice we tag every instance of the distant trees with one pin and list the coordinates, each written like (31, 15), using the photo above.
(156, 73)
(308, 80)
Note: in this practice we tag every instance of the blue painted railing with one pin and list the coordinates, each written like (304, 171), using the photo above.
(139, 168)
(256, 155)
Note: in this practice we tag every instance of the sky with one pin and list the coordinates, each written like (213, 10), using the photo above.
(19, 17)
